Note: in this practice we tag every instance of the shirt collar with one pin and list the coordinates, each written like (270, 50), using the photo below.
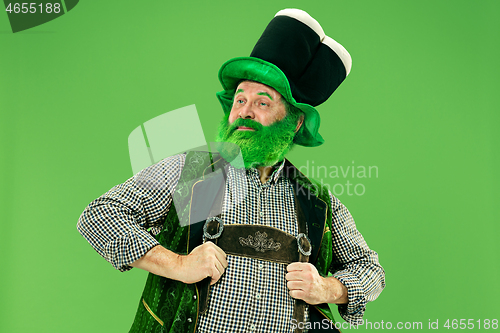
(275, 175)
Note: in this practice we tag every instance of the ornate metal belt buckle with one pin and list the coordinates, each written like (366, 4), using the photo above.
(301, 250)
(221, 227)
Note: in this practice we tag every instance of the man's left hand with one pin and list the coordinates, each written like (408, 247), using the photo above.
(305, 283)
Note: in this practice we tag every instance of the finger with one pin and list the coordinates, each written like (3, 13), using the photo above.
(211, 250)
(294, 276)
(220, 255)
(297, 294)
(217, 271)
(215, 275)
(222, 258)
(219, 267)
(295, 266)
(295, 285)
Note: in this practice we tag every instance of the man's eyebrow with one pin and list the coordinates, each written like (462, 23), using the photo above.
(265, 94)
(238, 91)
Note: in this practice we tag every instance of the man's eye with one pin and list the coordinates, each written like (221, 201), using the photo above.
(240, 101)
(263, 104)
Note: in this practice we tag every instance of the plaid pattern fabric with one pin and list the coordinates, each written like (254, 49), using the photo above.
(354, 264)
(116, 223)
(252, 295)
(254, 289)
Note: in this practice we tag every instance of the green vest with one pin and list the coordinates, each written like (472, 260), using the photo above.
(171, 306)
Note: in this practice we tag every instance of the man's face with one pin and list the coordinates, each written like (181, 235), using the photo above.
(258, 125)
(258, 102)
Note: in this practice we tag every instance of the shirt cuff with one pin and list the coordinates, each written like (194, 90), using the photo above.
(123, 251)
(354, 310)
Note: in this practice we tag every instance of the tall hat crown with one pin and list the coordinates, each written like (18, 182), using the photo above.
(295, 57)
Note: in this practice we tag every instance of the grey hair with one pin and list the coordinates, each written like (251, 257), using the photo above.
(293, 112)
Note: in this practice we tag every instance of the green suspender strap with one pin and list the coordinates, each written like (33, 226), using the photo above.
(167, 305)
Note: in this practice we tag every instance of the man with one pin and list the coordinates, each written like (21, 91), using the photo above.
(264, 235)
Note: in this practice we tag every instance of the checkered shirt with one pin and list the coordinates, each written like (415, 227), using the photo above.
(252, 295)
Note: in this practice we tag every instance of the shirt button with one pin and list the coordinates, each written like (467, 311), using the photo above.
(261, 213)
(257, 296)
(261, 266)
(252, 327)
(190, 320)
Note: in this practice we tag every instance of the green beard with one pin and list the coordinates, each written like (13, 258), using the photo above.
(265, 146)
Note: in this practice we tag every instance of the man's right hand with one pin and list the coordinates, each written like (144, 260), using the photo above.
(206, 260)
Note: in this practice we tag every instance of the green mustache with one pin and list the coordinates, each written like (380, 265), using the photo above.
(265, 146)
(246, 123)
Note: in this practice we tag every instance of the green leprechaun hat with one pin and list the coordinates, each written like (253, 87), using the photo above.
(295, 57)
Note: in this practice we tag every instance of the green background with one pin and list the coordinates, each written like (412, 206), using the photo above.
(419, 104)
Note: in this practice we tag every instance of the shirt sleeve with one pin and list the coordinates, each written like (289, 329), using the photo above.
(354, 264)
(116, 224)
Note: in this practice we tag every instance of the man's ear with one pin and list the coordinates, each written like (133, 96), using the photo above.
(299, 123)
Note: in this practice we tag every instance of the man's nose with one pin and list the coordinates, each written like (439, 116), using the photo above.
(246, 112)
